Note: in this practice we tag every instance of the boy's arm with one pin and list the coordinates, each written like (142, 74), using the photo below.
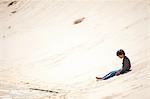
(125, 67)
(121, 70)
(118, 72)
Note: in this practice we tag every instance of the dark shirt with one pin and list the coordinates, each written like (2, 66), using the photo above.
(126, 65)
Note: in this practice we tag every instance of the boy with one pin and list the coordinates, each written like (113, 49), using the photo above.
(126, 65)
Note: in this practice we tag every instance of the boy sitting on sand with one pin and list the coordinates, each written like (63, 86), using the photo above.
(125, 67)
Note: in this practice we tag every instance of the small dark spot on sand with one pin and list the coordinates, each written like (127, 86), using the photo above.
(12, 3)
(44, 90)
(13, 11)
(126, 27)
(3, 36)
(79, 20)
(27, 83)
(9, 27)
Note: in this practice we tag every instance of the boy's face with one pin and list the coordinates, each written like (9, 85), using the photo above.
(121, 56)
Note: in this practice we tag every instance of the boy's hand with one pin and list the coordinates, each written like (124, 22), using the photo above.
(118, 73)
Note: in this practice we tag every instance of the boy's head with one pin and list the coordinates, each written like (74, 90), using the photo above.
(120, 53)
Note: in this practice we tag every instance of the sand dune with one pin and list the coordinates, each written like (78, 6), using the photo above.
(53, 49)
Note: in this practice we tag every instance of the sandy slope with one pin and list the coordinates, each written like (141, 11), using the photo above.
(61, 45)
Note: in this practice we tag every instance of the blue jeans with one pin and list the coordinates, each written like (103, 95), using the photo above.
(110, 74)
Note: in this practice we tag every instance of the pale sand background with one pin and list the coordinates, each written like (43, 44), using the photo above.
(40, 47)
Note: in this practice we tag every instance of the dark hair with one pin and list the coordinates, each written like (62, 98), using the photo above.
(120, 52)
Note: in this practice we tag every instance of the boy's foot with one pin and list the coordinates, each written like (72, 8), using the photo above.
(99, 78)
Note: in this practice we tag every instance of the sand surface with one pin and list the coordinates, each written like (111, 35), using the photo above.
(54, 49)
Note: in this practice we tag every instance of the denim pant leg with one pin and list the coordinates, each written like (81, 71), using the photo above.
(109, 75)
